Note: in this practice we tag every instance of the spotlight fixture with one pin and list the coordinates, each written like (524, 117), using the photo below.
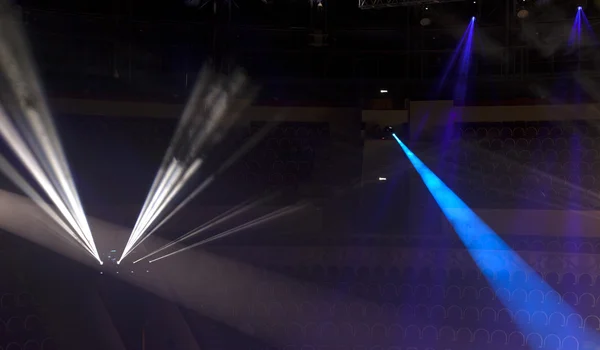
(382, 178)
(522, 13)
(389, 129)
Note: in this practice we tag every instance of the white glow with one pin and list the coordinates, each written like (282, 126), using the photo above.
(383, 179)
(27, 127)
(205, 120)
(265, 218)
(231, 213)
(383, 91)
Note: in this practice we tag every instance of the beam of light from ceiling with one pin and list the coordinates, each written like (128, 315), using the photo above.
(28, 129)
(258, 221)
(206, 119)
(460, 89)
(223, 217)
(455, 55)
(574, 40)
(487, 250)
(253, 141)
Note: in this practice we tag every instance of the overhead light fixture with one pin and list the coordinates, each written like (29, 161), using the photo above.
(382, 178)
(522, 13)
(383, 91)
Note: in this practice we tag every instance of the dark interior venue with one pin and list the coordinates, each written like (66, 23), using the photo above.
(299, 175)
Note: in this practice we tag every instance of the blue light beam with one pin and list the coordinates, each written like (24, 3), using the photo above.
(575, 34)
(485, 246)
(455, 55)
(460, 89)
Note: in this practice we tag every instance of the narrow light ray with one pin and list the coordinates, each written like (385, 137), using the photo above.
(453, 59)
(163, 171)
(188, 112)
(227, 215)
(248, 145)
(20, 148)
(489, 252)
(180, 206)
(171, 175)
(20, 182)
(460, 90)
(34, 138)
(173, 192)
(207, 117)
(261, 220)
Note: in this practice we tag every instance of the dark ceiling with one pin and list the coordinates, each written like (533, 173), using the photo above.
(117, 47)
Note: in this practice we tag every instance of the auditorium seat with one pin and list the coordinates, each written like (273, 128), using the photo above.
(395, 333)
(556, 319)
(535, 298)
(437, 314)
(469, 296)
(574, 321)
(378, 331)
(15, 325)
(505, 317)
(486, 296)
(453, 295)
(470, 317)
(499, 338)
(586, 303)
(570, 343)
(362, 334)
(552, 298)
(539, 318)
(463, 336)
(570, 298)
(516, 340)
(8, 301)
(430, 335)
(346, 331)
(446, 335)
(412, 335)
(33, 324)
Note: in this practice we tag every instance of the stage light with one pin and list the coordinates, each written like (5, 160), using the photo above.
(578, 8)
(383, 91)
(382, 179)
(522, 14)
(473, 19)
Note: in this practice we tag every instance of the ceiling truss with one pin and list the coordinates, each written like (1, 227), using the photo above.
(380, 4)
